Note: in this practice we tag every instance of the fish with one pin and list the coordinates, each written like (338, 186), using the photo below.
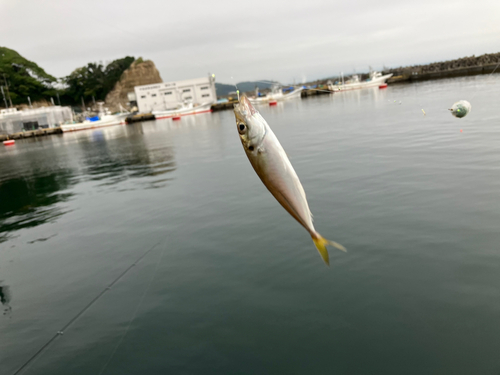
(271, 163)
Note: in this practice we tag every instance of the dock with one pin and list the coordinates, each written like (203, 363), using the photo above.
(139, 117)
(304, 94)
(222, 106)
(312, 92)
(31, 133)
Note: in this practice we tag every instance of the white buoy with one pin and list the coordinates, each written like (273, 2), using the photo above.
(461, 108)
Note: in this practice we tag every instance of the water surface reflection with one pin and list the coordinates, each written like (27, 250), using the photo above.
(5, 298)
(30, 200)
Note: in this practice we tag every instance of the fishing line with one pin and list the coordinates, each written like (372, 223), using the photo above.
(489, 76)
(135, 313)
(237, 90)
(61, 331)
(474, 92)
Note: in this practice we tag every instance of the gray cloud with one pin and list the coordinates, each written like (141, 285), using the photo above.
(249, 40)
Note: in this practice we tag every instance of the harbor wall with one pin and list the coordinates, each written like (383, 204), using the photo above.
(466, 66)
(461, 72)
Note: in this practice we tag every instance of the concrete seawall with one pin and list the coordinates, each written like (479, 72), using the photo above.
(461, 72)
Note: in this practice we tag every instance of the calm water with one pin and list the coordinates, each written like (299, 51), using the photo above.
(232, 284)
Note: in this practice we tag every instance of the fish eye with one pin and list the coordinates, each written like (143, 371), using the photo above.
(242, 128)
(251, 148)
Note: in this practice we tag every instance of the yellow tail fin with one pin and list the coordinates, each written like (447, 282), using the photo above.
(321, 244)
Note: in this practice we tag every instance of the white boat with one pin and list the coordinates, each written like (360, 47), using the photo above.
(184, 110)
(376, 79)
(277, 95)
(104, 119)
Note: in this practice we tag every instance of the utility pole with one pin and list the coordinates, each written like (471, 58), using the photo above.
(29, 101)
(58, 100)
(83, 105)
(5, 100)
(52, 100)
(7, 87)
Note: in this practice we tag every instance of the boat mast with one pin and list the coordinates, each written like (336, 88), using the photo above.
(7, 87)
(5, 100)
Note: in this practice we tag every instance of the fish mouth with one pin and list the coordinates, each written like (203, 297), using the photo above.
(246, 107)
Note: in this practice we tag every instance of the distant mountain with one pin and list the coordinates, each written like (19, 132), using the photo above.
(224, 89)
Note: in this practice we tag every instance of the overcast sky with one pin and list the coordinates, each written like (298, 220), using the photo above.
(249, 40)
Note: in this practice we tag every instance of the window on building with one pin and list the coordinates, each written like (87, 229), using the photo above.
(205, 95)
(186, 90)
(153, 95)
(204, 88)
(168, 93)
(188, 97)
(143, 96)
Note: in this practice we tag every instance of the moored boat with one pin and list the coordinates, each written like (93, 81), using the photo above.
(184, 110)
(376, 79)
(105, 120)
(277, 95)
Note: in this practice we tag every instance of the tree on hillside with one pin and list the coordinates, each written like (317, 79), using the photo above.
(24, 78)
(94, 80)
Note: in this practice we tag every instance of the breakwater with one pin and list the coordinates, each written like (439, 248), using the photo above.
(466, 66)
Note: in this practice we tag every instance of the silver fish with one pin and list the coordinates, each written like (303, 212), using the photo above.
(271, 163)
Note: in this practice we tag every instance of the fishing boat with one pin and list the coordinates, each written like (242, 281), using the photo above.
(376, 79)
(96, 122)
(184, 110)
(277, 95)
(104, 118)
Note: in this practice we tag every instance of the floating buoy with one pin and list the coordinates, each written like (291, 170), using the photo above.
(383, 86)
(9, 142)
(461, 108)
(274, 102)
(175, 118)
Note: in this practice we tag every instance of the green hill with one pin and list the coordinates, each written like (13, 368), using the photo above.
(95, 80)
(24, 78)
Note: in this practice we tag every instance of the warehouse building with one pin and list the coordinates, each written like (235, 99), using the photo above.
(14, 121)
(172, 95)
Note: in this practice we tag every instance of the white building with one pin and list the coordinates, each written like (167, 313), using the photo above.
(14, 121)
(171, 95)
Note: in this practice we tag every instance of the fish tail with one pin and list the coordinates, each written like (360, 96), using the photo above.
(321, 244)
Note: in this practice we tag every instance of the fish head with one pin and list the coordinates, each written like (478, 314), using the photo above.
(250, 124)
